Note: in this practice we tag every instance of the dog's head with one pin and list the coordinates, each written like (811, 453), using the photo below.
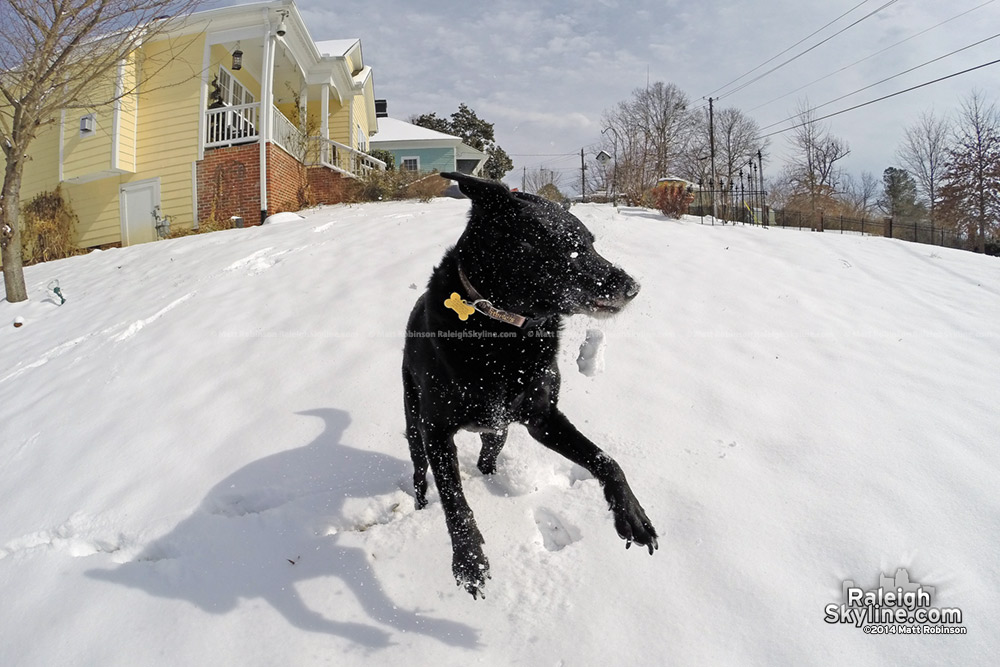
(529, 254)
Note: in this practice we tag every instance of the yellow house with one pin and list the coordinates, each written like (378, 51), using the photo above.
(232, 112)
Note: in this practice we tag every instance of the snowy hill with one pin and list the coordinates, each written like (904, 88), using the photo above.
(203, 459)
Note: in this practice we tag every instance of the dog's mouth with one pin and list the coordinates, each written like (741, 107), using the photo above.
(605, 307)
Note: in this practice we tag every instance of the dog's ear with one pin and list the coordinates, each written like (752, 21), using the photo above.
(480, 190)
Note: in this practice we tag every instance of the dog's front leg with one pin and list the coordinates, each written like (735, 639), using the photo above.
(468, 563)
(555, 431)
(492, 444)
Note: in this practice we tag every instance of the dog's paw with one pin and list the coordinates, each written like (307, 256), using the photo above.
(631, 521)
(471, 570)
(487, 464)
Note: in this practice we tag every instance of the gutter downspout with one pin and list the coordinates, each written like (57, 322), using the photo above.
(116, 116)
(266, 103)
(324, 125)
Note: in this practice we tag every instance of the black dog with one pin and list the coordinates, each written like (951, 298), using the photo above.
(481, 353)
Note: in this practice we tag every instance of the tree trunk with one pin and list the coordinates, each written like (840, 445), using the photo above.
(10, 231)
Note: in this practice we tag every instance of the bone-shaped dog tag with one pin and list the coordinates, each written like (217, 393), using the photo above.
(463, 309)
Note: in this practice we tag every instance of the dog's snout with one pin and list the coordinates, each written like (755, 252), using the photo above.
(626, 287)
(632, 288)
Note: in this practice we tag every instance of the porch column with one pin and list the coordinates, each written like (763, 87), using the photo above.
(265, 119)
(324, 122)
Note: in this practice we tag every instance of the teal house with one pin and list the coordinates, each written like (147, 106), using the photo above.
(416, 148)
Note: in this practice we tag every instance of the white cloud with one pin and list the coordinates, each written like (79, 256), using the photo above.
(552, 120)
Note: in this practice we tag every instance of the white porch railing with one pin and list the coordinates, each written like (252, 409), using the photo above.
(336, 155)
(285, 134)
(231, 125)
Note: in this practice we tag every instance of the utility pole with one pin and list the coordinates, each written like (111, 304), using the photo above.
(583, 179)
(763, 198)
(711, 149)
(524, 177)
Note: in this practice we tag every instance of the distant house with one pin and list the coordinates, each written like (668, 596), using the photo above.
(677, 180)
(246, 113)
(416, 148)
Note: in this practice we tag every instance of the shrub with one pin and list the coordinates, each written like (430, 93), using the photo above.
(47, 228)
(552, 193)
(204, 227)
(672, 199)
(389, 185)
(385, 156)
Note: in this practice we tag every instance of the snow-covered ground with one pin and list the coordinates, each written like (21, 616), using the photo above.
(203, 463)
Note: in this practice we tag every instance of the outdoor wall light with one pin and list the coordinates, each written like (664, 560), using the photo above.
(281, 24)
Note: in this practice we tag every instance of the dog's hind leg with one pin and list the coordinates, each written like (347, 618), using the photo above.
(468, 562)
(492, 444)
(556, 432)
(418, 453)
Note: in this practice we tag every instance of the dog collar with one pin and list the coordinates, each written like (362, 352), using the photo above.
(483, 306)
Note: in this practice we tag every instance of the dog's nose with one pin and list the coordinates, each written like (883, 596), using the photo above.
(631, 289)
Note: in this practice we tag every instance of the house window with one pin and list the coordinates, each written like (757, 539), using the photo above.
(362, 140)
(409, 164)
(233, 92)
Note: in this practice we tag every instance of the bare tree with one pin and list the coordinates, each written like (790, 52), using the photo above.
(970, 191)
(536, 179)
(650, 130)
(860, 194)
(781, 190)
(815, 153)
(56, 55)
(665, 121)
(736, 140)
(924, 151)
(694, 161)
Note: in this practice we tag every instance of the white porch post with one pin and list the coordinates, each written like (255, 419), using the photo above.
(324, 122)
(265, 119)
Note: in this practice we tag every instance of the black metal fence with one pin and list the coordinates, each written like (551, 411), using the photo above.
(735, 202)
(904, 230)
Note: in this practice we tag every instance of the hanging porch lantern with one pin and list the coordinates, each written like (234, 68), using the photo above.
(237, 58)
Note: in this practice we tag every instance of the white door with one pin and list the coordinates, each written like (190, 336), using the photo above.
(139, 200)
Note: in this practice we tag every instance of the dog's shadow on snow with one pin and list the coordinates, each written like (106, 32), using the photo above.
(273, 523)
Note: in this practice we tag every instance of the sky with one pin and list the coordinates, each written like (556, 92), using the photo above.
(544, 72)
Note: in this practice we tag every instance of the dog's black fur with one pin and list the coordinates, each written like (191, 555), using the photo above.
(527, 256)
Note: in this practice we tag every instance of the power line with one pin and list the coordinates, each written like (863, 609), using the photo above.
(775, 57)
(541, 154)
(837, 99)
(880, 99)
(870, 56)
(814, 46)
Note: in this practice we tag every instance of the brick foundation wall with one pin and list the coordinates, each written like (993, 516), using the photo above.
(287, 185)
(229, 184)
(326, 186)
